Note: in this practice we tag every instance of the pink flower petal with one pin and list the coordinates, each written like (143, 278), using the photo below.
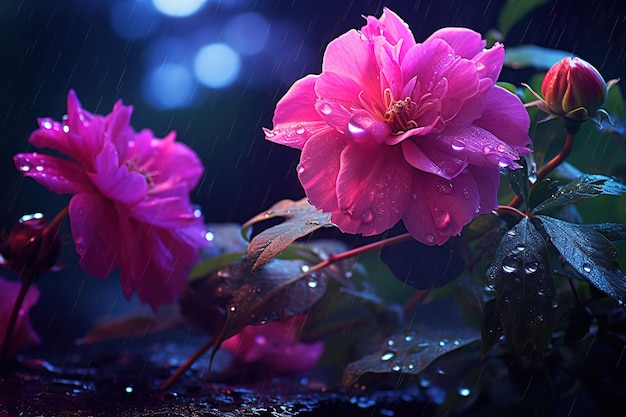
(465, 42)
(351, 55)
(506, 118)
(489, 62)
(114, 181)
(319, 168)
(432, 160)
(295, 119)
(58, 175)
(373, 189)
(93, 221)
(440, 208)
(394, 29)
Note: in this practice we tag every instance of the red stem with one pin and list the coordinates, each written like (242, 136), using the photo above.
(512, 210)
(27, 280)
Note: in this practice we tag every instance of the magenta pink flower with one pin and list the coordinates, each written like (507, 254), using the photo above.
(397, 130)
(130, 204)
(23, 334)
(274, 346)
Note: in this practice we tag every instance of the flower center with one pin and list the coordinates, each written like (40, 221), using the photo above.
(401, 115)
(133, 166)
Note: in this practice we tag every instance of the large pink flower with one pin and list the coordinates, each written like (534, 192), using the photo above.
(131, 202)
(397, 130)
(23, 334)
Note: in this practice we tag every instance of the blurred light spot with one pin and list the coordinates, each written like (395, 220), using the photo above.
(178, 8)
(133, 20)
(247, 33)
(169, 86)
(217, 65)
(167, 50)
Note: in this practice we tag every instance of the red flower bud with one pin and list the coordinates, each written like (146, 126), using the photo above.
(574, 89)
(32, 244)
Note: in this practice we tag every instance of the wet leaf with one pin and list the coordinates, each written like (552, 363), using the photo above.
(301, 219)
(612, 231)
(214, 263)
(518, 178)
(538, 57)
(491, 330)
(422, 266)
(542, 191)
(408, 353)
(587, 186)
(589, 253)
(515, 10)
(139, 325)
(525, 292)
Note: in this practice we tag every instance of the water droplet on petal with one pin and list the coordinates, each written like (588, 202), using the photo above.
(442, 220)
(444, 187)
(300, 169)
(457, 146)
(46, 124)
(355, 129)
(326, 109)
(24, 168)
(367, 217)
(501, 148)
(66, 129)
(430, 239)
(300, 131)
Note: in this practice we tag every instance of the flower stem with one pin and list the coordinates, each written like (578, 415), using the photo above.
(553, 163)
(405, 237)
(512, 210)
(196, 355)
(27, 280)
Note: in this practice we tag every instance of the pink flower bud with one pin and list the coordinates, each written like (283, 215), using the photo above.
(573, 88)
(32, 244)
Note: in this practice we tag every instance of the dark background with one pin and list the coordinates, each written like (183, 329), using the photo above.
(50, 46)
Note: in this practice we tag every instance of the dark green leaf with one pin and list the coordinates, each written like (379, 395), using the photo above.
(589, 253)
(533, 56)
(410, 353)
(513, 11)
(612, 231)
(278, 291)
(301, 220)
(524, 286)
(541, 191)
(214, 263)
(519, 179)
(491, 330)
(587, 186)
(422, 266)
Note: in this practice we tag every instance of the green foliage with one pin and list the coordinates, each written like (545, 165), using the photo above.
(514, 11)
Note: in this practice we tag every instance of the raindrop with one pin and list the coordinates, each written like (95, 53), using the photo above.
(391, 342)
(510, 263)
(531, 268)
(411, 367)
(464, 392)
(457, 146)
(396, 368)
(305, 268)
(503, 163)
(501, 148)
(586, 267)
(388, 355)
(300, 169)
(486, 150)
(128, 389)
(326, 109)
(443, 342)
(409, 336)
(210, 236)
(46, 124)
(442, 220)
(430, 239)
(540, 293)
(232, 308)
(532, 176)
(440, 371)
(520, 247)
(312, 283)
(511, 233)
(413, 196)
(444, 187)
(300, 131)
(367, 217)
(24, 168)
(355, 129)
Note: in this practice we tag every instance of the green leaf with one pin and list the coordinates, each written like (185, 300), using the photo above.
(214, 263)
(525, 291)
(491, 330)
(541, 191)
(513, 11)
(586, 186)
(612, 231)
(533, 56)
(301, 219)
(518, 178)
(589, 253)
(408, 353)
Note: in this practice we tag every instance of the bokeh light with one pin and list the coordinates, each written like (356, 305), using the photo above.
(133, 19)
(217, 65)
(169, 86)
(247, 33)
(178, 8)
